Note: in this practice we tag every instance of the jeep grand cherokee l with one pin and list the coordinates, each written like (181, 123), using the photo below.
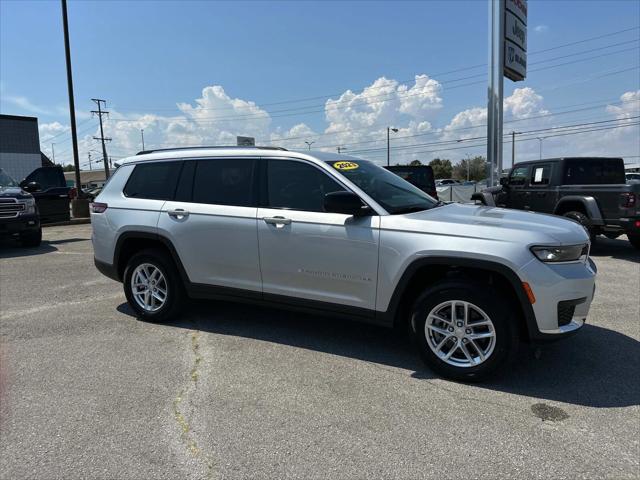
(339, 235)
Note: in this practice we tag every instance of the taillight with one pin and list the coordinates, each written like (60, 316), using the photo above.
(97, 207)
(628, 200)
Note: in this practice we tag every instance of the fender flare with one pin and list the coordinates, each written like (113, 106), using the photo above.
(589, 203)
(149, 236)
(486, 198)
(391, 315)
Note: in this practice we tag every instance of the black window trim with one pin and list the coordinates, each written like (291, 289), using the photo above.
(264, 183)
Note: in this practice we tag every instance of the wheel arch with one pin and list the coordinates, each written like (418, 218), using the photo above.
(427, 271)
(585, 204)
(131, 242)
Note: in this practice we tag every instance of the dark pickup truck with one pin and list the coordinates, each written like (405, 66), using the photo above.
(49, 187)
(18, 213)
(591, 191)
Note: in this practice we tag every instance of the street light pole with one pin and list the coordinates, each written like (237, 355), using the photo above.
(389, 129)
(142, 135)
(53, 153)
(309, 144)
(540, 140)
(340, 149)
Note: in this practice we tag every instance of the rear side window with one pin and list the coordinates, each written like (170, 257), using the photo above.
(225, 182)
(298, 186)
(541, 175)
(155, 181)
(593, 171)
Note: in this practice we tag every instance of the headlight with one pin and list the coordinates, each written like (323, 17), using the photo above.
(29, 206)
(569, 253)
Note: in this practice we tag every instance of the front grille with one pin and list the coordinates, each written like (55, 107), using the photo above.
(9, 207)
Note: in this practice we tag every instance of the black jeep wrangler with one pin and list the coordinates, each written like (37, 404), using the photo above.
(591, 191)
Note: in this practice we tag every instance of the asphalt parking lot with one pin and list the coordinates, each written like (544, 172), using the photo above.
(232, 391)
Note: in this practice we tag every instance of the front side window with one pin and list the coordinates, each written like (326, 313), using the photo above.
(393, 193)
(541, 175)
(156, 181)
(298, 186)
(519, 176)
(225, 182)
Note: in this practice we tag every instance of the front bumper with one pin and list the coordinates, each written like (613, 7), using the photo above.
(19, 224)
(563, 295)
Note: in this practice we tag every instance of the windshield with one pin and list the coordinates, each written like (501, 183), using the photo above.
(6, 180)
(393, 193)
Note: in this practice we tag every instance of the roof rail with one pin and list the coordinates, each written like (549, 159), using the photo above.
(223, 147)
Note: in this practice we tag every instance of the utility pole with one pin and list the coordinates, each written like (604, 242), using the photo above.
(395, 130)
(53, 153)
(513, 148)
(142, 135)
(100, 113)
(468, 167)
(72, 108)
(540, 140)
(89, 154)
(340, 149)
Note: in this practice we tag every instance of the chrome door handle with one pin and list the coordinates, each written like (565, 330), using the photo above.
(279, 222)
(178, 213)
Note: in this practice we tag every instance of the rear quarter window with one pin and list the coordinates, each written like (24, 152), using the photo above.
(593, 171)
(156, 181)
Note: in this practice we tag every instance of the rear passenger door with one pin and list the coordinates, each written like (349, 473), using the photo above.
(212, 222)
(307, 253)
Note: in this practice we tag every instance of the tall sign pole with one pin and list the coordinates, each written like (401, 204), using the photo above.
(507, 57)
(72, 108)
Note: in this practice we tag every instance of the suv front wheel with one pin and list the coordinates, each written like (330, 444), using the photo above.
(463, 330)
(153, 286)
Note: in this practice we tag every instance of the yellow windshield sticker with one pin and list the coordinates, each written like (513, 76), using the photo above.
(345, 165)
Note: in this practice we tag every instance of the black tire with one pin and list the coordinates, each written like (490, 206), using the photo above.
(634, 239)
(583, 220)
(175, 288)
(492, 302)
(31, 239)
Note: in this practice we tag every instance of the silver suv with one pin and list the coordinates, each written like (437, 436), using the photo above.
(334, 234)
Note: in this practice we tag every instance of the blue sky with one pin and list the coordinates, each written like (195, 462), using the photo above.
(144, 57)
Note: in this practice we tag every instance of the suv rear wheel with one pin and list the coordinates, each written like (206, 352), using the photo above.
(634, 239)
(153, 286)
(463, 330)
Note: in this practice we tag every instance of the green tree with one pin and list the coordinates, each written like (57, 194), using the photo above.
(442, 168)
(415, 163)
(68, 168)
(475, 168)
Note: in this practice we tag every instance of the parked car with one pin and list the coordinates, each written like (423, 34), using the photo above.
(18, 213)
(420, 176)
(333, 234)
(632, 177)
(446, 181)
(49, 188)
(591, 191)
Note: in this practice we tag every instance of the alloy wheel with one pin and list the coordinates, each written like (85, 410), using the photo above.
(460, 333)
(149, 287)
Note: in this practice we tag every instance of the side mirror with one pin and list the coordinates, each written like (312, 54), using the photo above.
(31, 187)
(345, 202)
(504, 181)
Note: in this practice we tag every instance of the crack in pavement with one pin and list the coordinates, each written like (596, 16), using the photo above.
(181, 419)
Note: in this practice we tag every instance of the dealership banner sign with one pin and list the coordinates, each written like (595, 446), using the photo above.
(515, 40)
